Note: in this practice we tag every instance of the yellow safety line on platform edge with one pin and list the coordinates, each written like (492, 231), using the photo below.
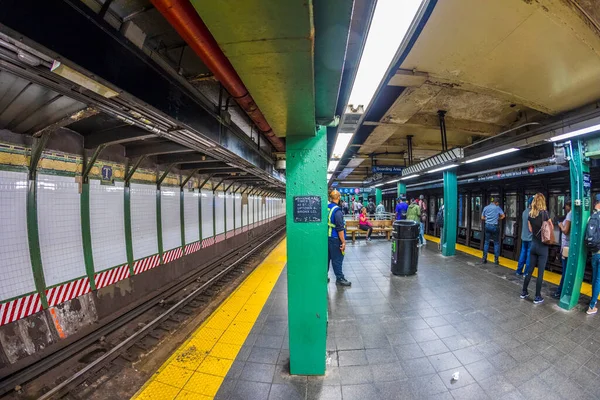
(197, 368)
(549, 276)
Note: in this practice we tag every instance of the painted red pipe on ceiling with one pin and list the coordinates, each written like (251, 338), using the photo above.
(186, 21)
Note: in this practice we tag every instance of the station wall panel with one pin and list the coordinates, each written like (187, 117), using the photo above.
(191, 219)
(263, 207)
(238, 210)
(219, 212)
(229, 205)
(17, 274)
(143, 220)
(107, 225)
(170, 217)
(59, 225)
(207, 214)
(252, 206)
(245, 215)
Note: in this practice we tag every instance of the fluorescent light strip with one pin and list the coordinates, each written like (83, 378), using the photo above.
(442, 168)
(340, 144)
(379, 184)
(391, 21)
(332, 165)
(352, 182)
(329, 177)
(578, 132)
(496, 154)
(409, 177)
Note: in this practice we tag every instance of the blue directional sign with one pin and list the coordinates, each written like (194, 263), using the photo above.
(107, 173)
(387, 169)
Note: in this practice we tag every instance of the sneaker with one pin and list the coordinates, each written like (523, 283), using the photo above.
(538, 300)
(519, 273)
(524, 295)
(343, 282)
(497, 263)
(482, 262)
(592, 311)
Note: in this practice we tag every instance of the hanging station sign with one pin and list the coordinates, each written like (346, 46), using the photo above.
(387, 169)
(517, 172)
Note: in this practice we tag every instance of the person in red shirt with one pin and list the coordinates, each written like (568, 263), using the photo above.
(364, 224)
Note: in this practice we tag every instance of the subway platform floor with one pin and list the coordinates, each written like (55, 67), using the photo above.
(405, 337)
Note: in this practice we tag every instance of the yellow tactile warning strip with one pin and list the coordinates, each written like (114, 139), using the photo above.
(197, 368)
(549, 276)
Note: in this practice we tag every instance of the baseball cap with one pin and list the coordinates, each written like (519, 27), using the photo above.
(598, 198)
(529, 201)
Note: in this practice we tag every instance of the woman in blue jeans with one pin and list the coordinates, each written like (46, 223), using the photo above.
(526, 238)
(595, 271)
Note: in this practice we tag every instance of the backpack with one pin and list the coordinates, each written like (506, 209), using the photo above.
(371, 208)
(592, 233)
(440, 218)
(547, 231)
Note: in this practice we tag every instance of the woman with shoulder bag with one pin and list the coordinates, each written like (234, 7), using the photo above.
(542, 229)
(364, 224)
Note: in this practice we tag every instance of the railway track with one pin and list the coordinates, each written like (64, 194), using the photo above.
(124, 340)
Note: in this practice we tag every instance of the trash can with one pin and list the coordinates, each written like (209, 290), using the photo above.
(405, 253)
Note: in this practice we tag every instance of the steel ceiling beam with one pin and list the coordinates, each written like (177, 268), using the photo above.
(212, 167)
(184, 158)
(118, 135)
(151, 149)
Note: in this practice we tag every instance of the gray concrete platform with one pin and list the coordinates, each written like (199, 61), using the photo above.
(404, 337)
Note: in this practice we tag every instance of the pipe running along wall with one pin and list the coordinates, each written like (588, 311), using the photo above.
(186, 21)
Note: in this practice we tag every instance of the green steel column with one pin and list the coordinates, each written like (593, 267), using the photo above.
(307, 270)
(128, 234)
(450, 207)
(34, 241)
(401, 189)
(86, 234)
(580, 212)
(377, 196)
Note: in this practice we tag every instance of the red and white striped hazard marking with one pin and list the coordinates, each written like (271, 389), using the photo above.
(19, 308)
(220, 238)
(208, 242)
(111, 276)
(193, 247)
(145, 264)
(172, 255)
(244, 228)
(238, 231)
(68, 291)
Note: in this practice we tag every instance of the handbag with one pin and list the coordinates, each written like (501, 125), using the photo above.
(547, 231)
(565, 252)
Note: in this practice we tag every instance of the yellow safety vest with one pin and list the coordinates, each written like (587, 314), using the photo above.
(331, 224)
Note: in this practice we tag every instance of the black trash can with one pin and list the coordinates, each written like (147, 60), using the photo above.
(405, 253)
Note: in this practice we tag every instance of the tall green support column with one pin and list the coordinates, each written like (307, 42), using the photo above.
(307, 255)
(580, 212)
(377, 196)
(450, 207)
(401, 189)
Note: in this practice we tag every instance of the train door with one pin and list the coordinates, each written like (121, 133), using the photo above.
(476, 233)
(432, 228)
(556, 209)
(462, 218)
(511, 222)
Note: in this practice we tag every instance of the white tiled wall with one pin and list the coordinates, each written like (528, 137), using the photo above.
(59, 224)
(143, 220)
(17, 275)
(107, 225)
(252, 208)
(207, 213)
(238, 210)
(171, 217)
(219, 212)
(229, 205)
(190, 216)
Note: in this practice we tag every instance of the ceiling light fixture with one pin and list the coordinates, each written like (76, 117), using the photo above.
(340, 144)
(389, 25)
(379, 184)
(351, 182)
(578, 132)
(409, 177)
(496, 154)
(332, 165)
(329, 177)
(82, 80)
(443, 168)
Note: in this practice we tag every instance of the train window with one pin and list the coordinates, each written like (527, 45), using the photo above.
(462, 211)
(510, 206)
(556, 205)
(432, 209)
(476, 213)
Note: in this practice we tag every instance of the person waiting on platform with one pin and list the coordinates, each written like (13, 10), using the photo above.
(592, 240)
(526, 238)
(401, 209)
(491, 216)
(539, 251)
(371, 208)
(336, 238)
(423, 205)
(565, 229)
(379, 211)
(414, 214)
(364, 224)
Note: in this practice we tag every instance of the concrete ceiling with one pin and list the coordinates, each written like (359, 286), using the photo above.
(491, 65)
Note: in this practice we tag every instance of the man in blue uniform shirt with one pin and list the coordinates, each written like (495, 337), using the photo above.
(491, 215)
(401, 209)
(336, 238)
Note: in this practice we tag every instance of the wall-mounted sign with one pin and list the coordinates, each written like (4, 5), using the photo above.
(307, 209)
(107, 174)
(356, 191)
(517, 172)
(387, 169)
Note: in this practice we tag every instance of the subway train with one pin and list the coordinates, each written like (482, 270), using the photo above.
(512, 191)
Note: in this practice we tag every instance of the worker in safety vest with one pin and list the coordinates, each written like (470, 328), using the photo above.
(336, 238)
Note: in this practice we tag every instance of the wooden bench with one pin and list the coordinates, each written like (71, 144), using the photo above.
(379, 226)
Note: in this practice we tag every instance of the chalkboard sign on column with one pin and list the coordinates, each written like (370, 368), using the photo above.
(307, 208)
